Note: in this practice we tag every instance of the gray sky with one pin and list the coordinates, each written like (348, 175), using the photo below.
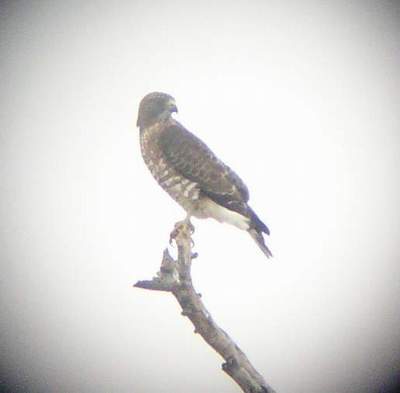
(301, 99)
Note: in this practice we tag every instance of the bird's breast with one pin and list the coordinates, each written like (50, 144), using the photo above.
(184, 191)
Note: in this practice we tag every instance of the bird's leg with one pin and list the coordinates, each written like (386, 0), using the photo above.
(190, 227)
(188, 223)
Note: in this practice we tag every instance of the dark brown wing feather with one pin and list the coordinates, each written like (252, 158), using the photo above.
(194, 160)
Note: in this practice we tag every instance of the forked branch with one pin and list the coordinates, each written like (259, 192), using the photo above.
(175, 277)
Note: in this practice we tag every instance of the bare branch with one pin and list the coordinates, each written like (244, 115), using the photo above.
(175, 277)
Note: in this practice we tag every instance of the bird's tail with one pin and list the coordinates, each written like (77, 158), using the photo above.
(259, 239)
(257, 227)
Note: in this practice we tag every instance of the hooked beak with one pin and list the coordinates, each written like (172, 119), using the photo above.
(172, 106)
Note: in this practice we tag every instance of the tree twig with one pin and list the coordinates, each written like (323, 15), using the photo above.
(175, 277)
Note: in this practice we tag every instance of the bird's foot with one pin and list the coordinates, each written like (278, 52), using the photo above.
(182, 228)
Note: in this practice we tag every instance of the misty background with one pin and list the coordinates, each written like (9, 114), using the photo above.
(301, 99)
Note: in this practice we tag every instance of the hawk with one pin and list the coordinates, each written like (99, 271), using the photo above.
(191, 173)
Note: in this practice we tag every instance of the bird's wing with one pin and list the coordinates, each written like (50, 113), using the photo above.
(194, 160)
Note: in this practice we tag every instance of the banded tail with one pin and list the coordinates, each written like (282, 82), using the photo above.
(256, 232)
(259, 239)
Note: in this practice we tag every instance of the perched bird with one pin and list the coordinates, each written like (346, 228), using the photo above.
(191, 173)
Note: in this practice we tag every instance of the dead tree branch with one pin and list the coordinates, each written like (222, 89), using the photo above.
(175, 277)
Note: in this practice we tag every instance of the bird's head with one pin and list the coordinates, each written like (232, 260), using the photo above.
(155, 107)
